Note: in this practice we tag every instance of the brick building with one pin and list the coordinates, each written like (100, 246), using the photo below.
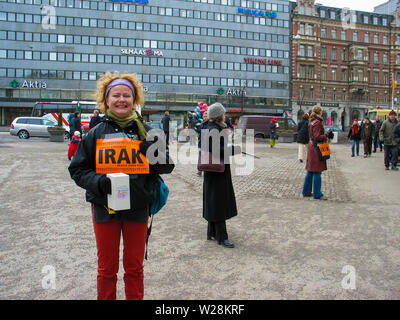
(343, 60)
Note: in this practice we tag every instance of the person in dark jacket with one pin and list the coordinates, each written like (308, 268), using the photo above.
(165, 123)
(386, 135)
(302, 137)
(219, 202)
(314, 165)
(273, 135)
(122, 128)
(377, 141)
(77, 123)
(71, 117)
(354, 136)
(95, 120)
(367, 134)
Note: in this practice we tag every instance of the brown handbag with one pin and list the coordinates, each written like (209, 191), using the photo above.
(207, 163)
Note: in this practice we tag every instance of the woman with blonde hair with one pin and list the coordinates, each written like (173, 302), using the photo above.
(101, 152)
(314, 165)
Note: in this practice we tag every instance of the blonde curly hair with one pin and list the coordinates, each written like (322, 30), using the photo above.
(315, 111)
(105, 80)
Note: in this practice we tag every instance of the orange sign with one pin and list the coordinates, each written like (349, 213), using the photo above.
(120, 155)
(324, 148)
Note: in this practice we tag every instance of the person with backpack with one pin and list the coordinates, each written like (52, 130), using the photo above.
(354, 136)
(121, 129)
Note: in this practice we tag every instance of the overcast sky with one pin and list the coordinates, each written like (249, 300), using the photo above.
(360, 5)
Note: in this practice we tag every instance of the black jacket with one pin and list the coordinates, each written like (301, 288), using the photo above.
(94, 121)
(83, 171)
(165, 123)
(303, 134)
(219, 202)
(77, 125)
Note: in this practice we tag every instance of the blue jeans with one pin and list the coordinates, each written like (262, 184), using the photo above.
(313, 181)
(355, 143)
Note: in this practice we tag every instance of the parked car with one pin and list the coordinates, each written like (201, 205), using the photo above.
(334, 128)
(260, 125)
(25, 127)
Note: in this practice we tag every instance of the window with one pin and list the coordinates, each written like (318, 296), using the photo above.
(360, 75)
(323, 94)
(376, 38)
(333, 33)
(343, 54)
(334, 54)
(309, 51)
(344, 74)
(323, 52)
(323, 32)
(323, 73)
(366, 37)
(376, 76)
(343, 35)
(355, 36)
(310, 29)
(385, 58)
(359, 54)
(302, 50)
(376, 57)
(301, 28)
(333, 73)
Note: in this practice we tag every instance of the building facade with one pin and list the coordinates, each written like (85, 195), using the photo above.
(343, 60)
(184, 51)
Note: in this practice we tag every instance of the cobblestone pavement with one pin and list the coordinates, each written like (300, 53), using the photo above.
(286, 247)
(278, 174)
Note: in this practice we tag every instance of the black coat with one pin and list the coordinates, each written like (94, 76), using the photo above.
(94, 121)
(77, 125)
(303, 134)
(165, 123)
(219, 202)
(83, 171)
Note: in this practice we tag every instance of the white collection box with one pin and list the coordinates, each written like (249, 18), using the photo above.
(120, 198)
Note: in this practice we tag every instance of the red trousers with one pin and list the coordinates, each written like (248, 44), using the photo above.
(108, 237)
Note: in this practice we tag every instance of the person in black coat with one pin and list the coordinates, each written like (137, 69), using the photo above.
(95, 120)
(122, 129)
(303, 136)
(165, 123)
(77, 123)
(219, 202)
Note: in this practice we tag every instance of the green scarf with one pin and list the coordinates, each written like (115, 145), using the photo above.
(133, 117)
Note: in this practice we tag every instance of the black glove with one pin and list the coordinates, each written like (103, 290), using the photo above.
(105, 184)
(144, 146)
(330, 134)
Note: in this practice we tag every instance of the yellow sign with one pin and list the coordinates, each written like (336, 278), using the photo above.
(120, 155)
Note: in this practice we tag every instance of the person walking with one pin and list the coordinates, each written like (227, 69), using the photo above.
(386, 135)
(122, 128)
(367, 133)
(165, 123)
(302, 137)
(354, 136)
(273, 135)
(314, 165)
(377, 141)
(219, 202)
(95, 120)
